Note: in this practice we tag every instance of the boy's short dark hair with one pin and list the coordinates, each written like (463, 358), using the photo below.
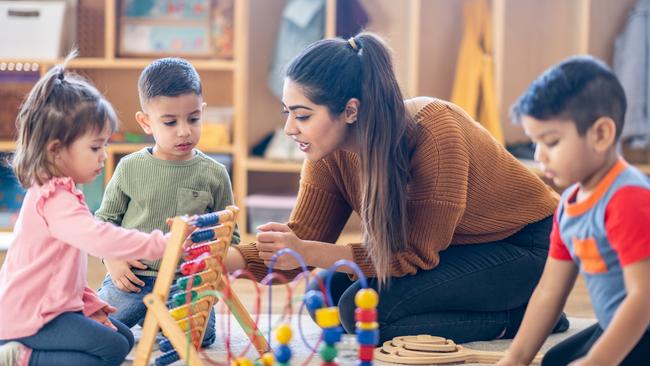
(580, 89)
(168, 77)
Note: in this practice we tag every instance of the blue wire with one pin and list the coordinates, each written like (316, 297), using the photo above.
(334, 267)
(274, 259)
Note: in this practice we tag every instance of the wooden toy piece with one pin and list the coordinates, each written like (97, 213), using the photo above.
(430, 350)
(206, 264)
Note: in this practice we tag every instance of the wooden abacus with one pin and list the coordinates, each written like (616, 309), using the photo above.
(206, 260)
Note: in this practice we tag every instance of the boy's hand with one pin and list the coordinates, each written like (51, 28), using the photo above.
(101, 316)
(122, 276)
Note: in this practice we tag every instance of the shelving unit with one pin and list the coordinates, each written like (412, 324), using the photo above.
(225, 83)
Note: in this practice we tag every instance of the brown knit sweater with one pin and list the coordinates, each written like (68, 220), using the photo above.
(465, 188)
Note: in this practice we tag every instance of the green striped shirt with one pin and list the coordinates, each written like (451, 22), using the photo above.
(145, 191)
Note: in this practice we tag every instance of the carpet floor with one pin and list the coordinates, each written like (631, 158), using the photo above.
(301, 352)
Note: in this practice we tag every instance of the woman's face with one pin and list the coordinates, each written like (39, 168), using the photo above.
(317, 132)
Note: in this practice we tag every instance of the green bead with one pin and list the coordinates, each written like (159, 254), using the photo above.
(327, 353)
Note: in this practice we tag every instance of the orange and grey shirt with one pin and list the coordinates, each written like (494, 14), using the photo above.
(604, 233)
(464, 188)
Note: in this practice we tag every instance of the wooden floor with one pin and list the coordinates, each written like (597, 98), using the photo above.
(578, 304)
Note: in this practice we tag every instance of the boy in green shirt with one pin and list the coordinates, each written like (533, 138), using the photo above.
(171, 178)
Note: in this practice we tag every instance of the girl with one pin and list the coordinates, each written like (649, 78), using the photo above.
(455, 229)
(48, 313)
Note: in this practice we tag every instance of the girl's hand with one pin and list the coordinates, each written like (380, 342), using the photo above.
(273, 237)
(101, 316)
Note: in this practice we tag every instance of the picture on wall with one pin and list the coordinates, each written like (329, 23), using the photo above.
(186, 28)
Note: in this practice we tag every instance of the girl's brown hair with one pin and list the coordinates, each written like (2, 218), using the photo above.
(333, 71)
(61, 106)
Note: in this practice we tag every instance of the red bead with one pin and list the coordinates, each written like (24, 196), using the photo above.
(365, 315)
(366, 352)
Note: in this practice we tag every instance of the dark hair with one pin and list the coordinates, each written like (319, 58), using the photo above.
(580, 89)
(168, 77)
(331, 72)
(61, 106)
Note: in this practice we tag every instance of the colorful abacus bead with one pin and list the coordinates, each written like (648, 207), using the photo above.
(367, 326)
(167, 358)
(209, 219)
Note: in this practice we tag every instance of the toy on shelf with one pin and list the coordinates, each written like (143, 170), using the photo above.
(430, 350)
(184, 325)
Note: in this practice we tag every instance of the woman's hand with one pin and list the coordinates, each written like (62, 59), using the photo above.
(101, 316)
(273, 237)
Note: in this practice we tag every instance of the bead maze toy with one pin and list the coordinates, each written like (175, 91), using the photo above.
(430, 350)
(202, 241)
(327, 315)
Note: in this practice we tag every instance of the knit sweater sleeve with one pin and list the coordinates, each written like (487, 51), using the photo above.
(320, 214)
(115, 201)
(437, 194)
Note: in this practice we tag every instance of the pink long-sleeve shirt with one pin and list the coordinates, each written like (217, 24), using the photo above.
(44, 273)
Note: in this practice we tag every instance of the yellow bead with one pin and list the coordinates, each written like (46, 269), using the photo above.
(367, 326)
(283, 334)
(268, 359)
(327, 317)
(242, 361)
(366, 298)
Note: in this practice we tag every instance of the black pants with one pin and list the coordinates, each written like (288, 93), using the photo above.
(477, 292)
(578, 346)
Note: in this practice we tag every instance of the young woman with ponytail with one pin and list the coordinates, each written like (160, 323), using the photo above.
(455, 229)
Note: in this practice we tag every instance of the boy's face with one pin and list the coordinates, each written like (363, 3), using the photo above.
(564, 155)
(175, 123)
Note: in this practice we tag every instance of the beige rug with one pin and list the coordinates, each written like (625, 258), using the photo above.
(217, 352)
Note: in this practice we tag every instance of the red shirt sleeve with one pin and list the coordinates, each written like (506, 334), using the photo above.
(627, 222)
(558, 249)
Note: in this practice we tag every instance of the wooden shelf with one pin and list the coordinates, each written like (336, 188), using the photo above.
(141, 63)
(124, 63)
(272, 166)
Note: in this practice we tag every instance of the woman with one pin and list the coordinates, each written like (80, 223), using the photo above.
(455, 229)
